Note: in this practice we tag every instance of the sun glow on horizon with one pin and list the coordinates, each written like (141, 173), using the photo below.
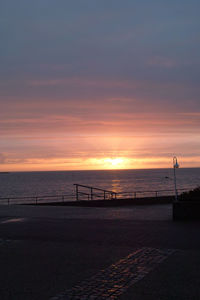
(111, 163)
(114, 162)
(95, 163)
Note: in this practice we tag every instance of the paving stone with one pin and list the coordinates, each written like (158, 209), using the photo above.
(116, 279)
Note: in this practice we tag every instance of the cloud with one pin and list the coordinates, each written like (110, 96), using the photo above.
(82, 82)
(98, 79)
(2, 158)
(162, 62)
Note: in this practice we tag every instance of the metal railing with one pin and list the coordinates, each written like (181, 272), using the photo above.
(92, 193)
(151, 193)
(36, 199)
(83, 192)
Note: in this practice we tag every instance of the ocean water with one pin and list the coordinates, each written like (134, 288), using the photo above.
(19, 184)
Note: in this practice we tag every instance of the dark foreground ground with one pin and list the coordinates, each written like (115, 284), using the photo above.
(144, 255)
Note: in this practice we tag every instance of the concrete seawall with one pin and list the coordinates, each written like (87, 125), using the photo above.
(113, 202)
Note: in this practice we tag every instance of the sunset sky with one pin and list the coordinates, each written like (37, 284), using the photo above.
(105, 84)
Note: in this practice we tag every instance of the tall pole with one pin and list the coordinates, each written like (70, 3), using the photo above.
(175, 166)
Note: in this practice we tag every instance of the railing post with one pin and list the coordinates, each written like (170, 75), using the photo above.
(91, 194)
(63, 198)
(76, 192)
(156, 194)
(8, 201)
(104, 195)
(135, 194)
(36, 200)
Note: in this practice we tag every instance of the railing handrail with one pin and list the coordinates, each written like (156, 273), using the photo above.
(92, 193)
(95, 188)
(36, 196)
(66, 195)
(150, 191)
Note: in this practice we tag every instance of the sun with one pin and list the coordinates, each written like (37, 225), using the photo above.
(114, 163)
(109, 163)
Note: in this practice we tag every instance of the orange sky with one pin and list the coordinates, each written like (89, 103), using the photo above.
(98, 152)
(99, 85)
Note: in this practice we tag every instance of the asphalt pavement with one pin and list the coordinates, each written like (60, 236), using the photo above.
(135, 252)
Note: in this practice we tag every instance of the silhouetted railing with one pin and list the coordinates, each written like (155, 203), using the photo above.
(36, 199)
(83, 192)
(91, 193)
(152, 193)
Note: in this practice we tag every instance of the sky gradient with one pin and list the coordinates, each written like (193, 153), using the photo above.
(99, 84)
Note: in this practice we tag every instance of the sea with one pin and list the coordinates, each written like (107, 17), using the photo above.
(38, 184)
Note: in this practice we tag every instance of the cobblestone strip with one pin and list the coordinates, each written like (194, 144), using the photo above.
(116, 279)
